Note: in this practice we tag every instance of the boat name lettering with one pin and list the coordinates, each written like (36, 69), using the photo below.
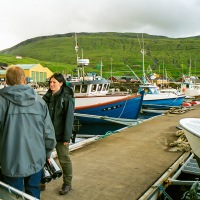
(111, 108)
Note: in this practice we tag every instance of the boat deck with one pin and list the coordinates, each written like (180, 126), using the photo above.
(123, 165)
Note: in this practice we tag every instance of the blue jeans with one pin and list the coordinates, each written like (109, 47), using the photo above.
(31, 184)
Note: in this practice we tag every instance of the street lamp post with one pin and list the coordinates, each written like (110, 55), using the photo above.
(111, 69)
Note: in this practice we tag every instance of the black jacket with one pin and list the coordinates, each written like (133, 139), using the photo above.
(61, 110)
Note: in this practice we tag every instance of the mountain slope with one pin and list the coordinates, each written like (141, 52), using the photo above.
(123, 48)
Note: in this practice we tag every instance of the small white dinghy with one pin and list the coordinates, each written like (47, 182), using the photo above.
(191, 127)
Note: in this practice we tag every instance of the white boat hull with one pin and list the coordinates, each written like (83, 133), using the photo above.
(95, 100)
(191, 127)
(192, 92)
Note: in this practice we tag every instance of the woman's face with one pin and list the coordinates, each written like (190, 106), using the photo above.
(54, 85)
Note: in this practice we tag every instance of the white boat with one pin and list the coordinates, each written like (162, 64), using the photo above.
(169, 90)
(153, 98)
(190, 89)
(191, 127)
(189, 86)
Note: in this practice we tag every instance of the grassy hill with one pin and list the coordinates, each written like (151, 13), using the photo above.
(162, 53)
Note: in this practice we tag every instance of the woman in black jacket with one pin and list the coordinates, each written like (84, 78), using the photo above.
(60, 101)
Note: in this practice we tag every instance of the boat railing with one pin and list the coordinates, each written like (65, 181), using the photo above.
(9, 193)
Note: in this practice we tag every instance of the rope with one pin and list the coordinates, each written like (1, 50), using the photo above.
(107, 134)
(179, 110)
(181, 143)
(123, 108)
(193, 192)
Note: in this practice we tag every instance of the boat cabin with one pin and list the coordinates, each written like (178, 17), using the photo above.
(148, 89)
(91, 88)
(169, 90)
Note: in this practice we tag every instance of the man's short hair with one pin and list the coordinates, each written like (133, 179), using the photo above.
(14, 75)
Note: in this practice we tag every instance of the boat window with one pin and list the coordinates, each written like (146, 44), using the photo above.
(146, 90)
(93, 88)
(77, 89)
(104, 87)
(99, 87)
(84, 89)
(154, 91)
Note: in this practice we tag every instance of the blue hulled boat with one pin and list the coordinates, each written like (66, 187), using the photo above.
(154, 99)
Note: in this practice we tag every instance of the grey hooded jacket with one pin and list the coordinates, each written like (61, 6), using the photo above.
(27, 136)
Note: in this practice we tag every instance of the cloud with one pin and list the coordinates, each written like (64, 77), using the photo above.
(22, 19)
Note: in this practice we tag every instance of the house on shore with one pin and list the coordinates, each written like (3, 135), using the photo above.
(33, 72)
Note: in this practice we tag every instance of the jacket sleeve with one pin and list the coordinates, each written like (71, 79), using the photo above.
(69, 120)
(49, 134)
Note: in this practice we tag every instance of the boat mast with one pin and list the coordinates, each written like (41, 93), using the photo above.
(143, 52)
(81, 63)
(143, 60)
(83, 73)
(76, 49)
(163, 76)
(101, 68)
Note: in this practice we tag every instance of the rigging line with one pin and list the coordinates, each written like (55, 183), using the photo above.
(123, 108)
(135, 74)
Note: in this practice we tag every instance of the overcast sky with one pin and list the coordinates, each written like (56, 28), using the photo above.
(25, 19)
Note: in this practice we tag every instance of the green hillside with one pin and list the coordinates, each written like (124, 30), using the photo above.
(57, 52)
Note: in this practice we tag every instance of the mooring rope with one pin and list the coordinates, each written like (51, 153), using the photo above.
(181, 143)
(123, 108)
(180, 110)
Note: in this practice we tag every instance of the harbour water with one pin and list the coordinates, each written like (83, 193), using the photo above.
(89, 130)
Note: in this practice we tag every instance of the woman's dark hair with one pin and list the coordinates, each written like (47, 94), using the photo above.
(59, 77)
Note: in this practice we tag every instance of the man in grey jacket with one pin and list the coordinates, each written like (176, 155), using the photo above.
(27, 136)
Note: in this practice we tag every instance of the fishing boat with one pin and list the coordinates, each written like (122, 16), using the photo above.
(101, 108)
(96, 102)
(153, 98)
(190, 88)
(191, 127)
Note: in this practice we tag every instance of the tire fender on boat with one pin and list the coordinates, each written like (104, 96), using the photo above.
(195, 102)
(186, 104)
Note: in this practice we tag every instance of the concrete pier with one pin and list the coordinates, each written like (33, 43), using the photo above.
(124, 165)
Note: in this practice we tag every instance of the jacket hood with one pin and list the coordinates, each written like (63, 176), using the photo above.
(22, 95)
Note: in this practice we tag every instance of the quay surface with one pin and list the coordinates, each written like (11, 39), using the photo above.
(124, 165)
